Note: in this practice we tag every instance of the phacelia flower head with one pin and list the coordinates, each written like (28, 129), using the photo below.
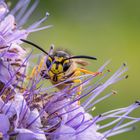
(13, 59)
(42, 115)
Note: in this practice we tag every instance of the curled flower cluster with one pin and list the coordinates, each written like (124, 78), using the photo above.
(13, 60)
(35, 113)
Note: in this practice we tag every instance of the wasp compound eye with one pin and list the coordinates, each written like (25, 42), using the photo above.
(66, 66)
(48, 63)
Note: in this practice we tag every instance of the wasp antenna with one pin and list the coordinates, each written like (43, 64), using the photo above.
(51, 49)
(82, 56)
(36, 46)
(52, 46)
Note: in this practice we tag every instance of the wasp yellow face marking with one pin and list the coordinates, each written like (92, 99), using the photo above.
(57, 68)
(55, 77)
(66, 61)
(58, 59)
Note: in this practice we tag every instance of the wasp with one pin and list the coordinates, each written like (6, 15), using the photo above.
(61, 66)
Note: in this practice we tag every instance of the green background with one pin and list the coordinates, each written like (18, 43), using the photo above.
(107, 29)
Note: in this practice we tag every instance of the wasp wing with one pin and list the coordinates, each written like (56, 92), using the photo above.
(81, 62)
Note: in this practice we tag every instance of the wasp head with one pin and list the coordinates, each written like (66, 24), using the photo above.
(58, 62)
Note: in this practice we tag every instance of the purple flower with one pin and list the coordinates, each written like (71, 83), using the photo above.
(41, 115)
(62, 117)
(13, 58)
(72, 121)
(4, 126)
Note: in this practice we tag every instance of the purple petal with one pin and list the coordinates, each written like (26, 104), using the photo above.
(5, 74)
(67, 133)
(89, 134)
(7, 25)
(4, 124)
(34, 120)
(21, 108)
(25, 134)
(3, 9)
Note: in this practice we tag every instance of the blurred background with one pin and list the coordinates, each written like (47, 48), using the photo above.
(107, 29)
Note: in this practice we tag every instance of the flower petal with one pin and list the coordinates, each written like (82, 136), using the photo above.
(67, 133)
(4, 124)
(25, 134)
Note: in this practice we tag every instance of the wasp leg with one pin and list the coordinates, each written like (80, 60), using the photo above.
(89, 72)
(29, 77)
(36, 70)
(79, 88)
(40, 65)
(78, 73)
